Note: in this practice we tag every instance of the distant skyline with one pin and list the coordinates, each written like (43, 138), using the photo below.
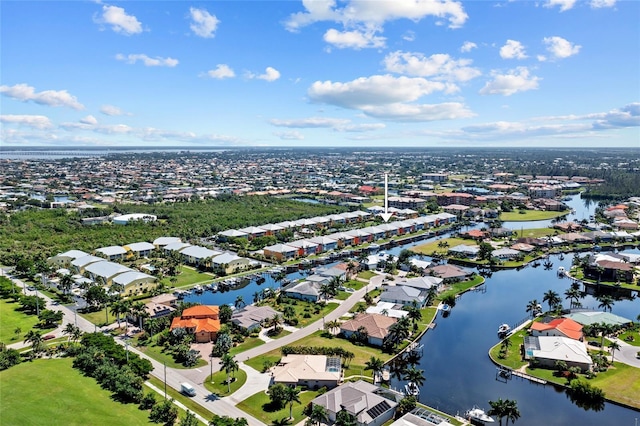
(405, 73)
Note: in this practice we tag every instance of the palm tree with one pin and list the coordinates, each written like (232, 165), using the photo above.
(257, 296)
(375, 365)
(344, 418)
(332, 325)
(35, 339)
(291, 395)
(498, 409)
(414, 314)
(532, 307)
(511, 410)
(352, 268)
(228, 364)
(606, 302)
(69, 329)
(285, 421)
(239, 302)
(139, 310)
(613, 347)
(119, 307)
(275, 321)
(573, 294)
(325, 291)
(506, 344)
(415, 376)
(318, 414)
(552, 298)
(289, 312)
(66, 282)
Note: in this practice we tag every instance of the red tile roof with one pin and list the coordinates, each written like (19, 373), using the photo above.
(566, 326)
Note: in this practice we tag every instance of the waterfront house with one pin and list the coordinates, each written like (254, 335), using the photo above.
(134, 282)
(303, 290)
(370, 405)
(548, 350)
(404, 295)
(563, 327)
(280, 252)
(311, 371)
(376, 326)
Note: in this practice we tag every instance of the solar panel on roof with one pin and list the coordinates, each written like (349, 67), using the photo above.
(378, 409)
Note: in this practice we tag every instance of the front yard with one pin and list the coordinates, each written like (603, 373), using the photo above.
(258, 405)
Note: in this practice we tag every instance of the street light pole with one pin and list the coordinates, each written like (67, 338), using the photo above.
(211, 367)
(165, 379)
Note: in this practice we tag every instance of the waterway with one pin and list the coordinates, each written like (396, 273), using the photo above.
(458, 371)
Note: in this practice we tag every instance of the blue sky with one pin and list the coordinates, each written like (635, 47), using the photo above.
(320, 73)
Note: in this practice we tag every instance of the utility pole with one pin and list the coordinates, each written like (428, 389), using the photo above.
(165, 379)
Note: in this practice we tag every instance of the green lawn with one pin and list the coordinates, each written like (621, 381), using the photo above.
(188, 276)
(461, 286)
(362, 353)
(305, 311)
(620, 383)
(367, 275)
(534, 232)
(217, 385)
(635, 335)
(51, 392)
(98, 318)
(513, 359)
(432, 247)
(258, 404)
(249, 343)
(526, 215)
(156, 353)
(11, 320)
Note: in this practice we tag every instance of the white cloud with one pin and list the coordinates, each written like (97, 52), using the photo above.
(409, 36)
(517, 80)
(33, 121)
(89, 119)
(204, 24)
(353, 39)
(337, 124)
(561, 48)
(270, 74)
(387, 97)
(147, 60)
(290, 136)
(419, 112)
(112, 110)
(376, 13)
(221, 71)
(55, 98)
(512, 50)
(467, 46)
(564, 4)
(627, 116)
(438, 66)
(599, 4)
(119, 21)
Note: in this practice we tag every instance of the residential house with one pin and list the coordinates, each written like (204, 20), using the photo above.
(303, 290)
(280, 252)
(563, 327)
(164, 241)
(548, 350)
(369, 404)
(404, 295)
(305, 247)
(141, 249)
(112, 252)
(197, 255)
(251, 317)
(450, 273)
(505, 253)
(421, 283)
(79, 264)
(203, 321)
(376, 326)
(63, 260)
(105, 271)
(464, 251)
(134, 282)
(229, 262)
(312, 371)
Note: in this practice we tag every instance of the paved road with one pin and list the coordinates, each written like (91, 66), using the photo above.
(173, 376)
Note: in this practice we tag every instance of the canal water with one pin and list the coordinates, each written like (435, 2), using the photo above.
(457, 368)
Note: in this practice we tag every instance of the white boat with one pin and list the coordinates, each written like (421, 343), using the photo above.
(561, 271)
(478, 415)
(374, 247)
(411, 389)
(504, 328)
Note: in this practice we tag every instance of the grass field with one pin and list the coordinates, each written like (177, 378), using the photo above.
(534, 232)
(356, 366)
(461, 286)
(156, 353)
(620, 383)
(188, 276)
(526, 215)
(65, 397)
(258, 404)
(249, 343)
(11, 320)
(432, 247)
(217, 386)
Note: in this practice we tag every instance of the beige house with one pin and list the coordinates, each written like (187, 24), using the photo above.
(313, 371)
(376, 326)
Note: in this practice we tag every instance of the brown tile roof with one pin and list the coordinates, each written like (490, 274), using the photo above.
(376, 325)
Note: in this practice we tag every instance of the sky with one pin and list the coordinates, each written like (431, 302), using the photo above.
(345, 73)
